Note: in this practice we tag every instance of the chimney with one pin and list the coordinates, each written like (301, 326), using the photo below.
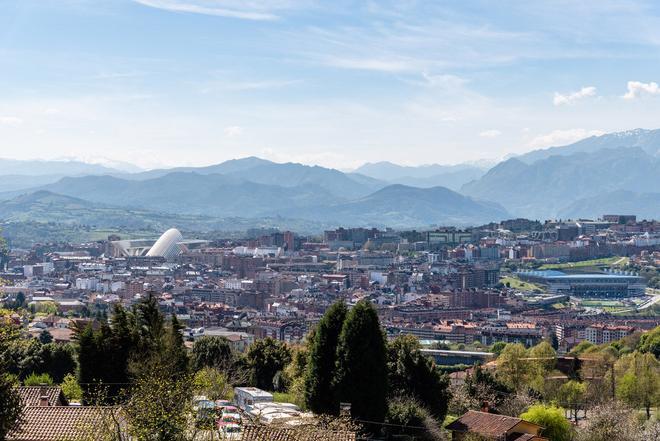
(485, 407)
(43, 401)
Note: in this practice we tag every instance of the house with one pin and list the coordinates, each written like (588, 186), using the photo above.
(495, 427)
(56, 423)
(269, 433)
(42, 396)
(48, 417)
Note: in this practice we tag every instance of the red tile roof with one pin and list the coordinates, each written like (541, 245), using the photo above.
(30, 395)
(55, 423)
(483, 423)
(269, 433)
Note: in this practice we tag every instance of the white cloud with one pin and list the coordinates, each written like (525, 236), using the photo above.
(490, 134)
(637, 89)
(240, 86)
(381, 65)
(252, 10)
(10, 120)
(233, 131)
(570, 98)
(562, 137)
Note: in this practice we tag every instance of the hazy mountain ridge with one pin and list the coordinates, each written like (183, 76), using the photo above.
(647, 140)
(403, 207)
(261, 171)
(424, 176)
(543, 188)
(253, 187)
(43, 167)
(44, 216)
(191, 193)
(644, 205)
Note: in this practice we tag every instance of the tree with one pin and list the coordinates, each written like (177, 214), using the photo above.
(361, 374)
(11, 407)
(554, 341)
(483, 389)
(159, 406)
(649, 342)
(58, 360)
(266, 358)
(498, 347)
(405, 416)
(174, 348)
(411, 374)
(71, 389)
(555, 426)
(149, 324)
(22, 357)
(320, 396)
(45, 337)
(542, 362)
(211, 352)
(295, 374)
(640, 383)
(38, 380)
(513, 368)
(611, 421)
(581, 347)
(212, 383)
(571, 395)
(47, 308)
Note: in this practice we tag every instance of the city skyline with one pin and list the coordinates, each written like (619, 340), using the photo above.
(162, 83)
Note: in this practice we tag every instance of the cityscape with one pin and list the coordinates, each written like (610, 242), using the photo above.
(310, 221)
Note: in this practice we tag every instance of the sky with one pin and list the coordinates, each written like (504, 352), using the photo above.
(337, 83)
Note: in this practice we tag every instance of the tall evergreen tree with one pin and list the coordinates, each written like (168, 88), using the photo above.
(175, 350)
(411, 374)
(320, 395)
(90, 364)
(361, 374)
(150, 324)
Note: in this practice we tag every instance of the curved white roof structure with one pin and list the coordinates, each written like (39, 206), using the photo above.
(167, 245)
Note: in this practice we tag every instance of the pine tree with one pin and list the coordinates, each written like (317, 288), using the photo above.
(320, 395)
(175, 349)
(150, 324)
(89, 362)
(411, 374)
(361, 374)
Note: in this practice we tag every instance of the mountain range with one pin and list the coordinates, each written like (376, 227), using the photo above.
(617, 173)
(431, 175)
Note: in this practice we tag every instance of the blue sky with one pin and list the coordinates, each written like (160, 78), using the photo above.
(191, 82)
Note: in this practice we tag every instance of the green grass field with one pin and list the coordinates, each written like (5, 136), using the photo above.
(516, 283)
(602, 303)
(595, 263)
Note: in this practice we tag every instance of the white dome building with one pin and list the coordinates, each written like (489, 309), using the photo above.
(167, 245)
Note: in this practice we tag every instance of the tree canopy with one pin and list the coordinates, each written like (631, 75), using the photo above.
(361, 376)
(320, 396)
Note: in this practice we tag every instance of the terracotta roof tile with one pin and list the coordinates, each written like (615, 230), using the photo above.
(30, 395)
(55, 423)
(484, 423)
(269, 433)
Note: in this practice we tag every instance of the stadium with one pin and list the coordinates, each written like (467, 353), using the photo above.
(600, 285)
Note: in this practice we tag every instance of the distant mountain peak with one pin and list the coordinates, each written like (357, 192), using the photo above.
(646, 139)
